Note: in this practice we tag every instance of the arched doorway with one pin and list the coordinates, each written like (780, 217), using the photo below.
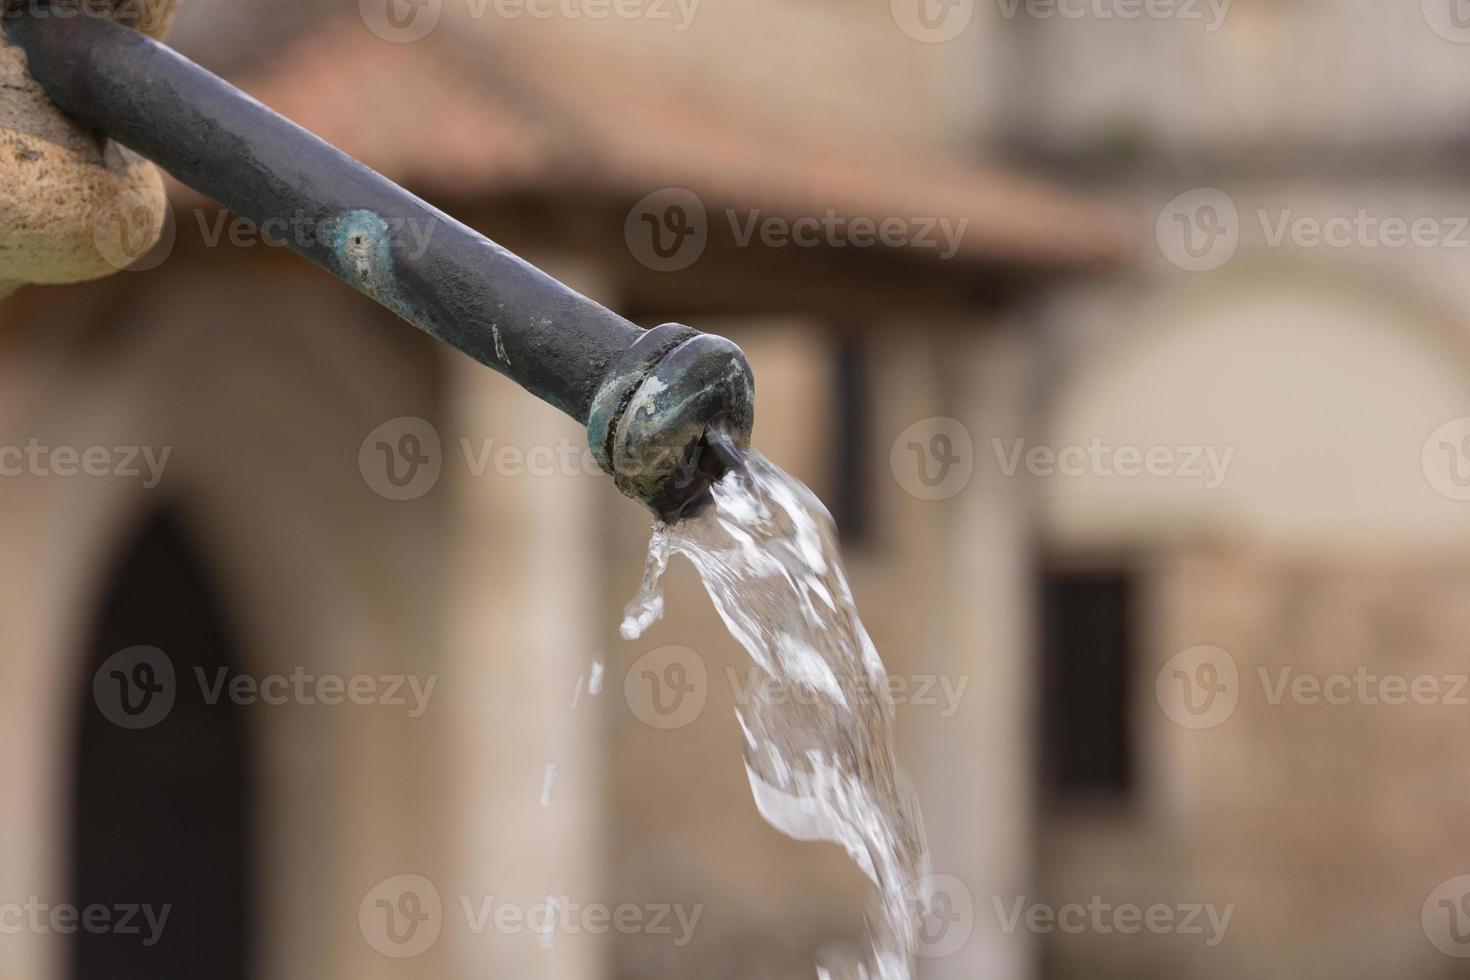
(159, 827)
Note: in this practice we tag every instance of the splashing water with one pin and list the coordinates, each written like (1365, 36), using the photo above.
(819, 727)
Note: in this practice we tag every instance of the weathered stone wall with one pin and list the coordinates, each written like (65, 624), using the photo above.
(1320, 791)
(73, 206)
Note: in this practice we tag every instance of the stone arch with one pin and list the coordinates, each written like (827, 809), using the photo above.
(263, 420)
(1316, 392)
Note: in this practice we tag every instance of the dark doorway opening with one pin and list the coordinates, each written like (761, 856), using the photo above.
(160, 795)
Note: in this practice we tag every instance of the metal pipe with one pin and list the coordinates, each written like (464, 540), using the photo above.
(650, 399)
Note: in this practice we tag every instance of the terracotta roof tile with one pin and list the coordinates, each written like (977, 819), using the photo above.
(465, 120)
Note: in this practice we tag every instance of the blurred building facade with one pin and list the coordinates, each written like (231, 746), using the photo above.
(1294, 523)
(1302, 314)
(500, 580)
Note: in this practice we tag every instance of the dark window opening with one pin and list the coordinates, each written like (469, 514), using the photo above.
(850, 503)
(159, 789)
(1087, 637)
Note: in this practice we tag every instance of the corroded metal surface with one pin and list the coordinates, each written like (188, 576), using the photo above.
(668, 411)
(650, 398)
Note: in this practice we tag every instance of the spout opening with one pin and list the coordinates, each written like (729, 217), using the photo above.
(673, 417)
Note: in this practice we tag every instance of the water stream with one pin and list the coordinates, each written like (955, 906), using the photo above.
(818, 729)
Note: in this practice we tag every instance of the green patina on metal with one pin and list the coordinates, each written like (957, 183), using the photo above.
(362, 243)
(667, 410)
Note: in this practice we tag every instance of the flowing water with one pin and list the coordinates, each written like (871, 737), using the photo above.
(819, 728)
